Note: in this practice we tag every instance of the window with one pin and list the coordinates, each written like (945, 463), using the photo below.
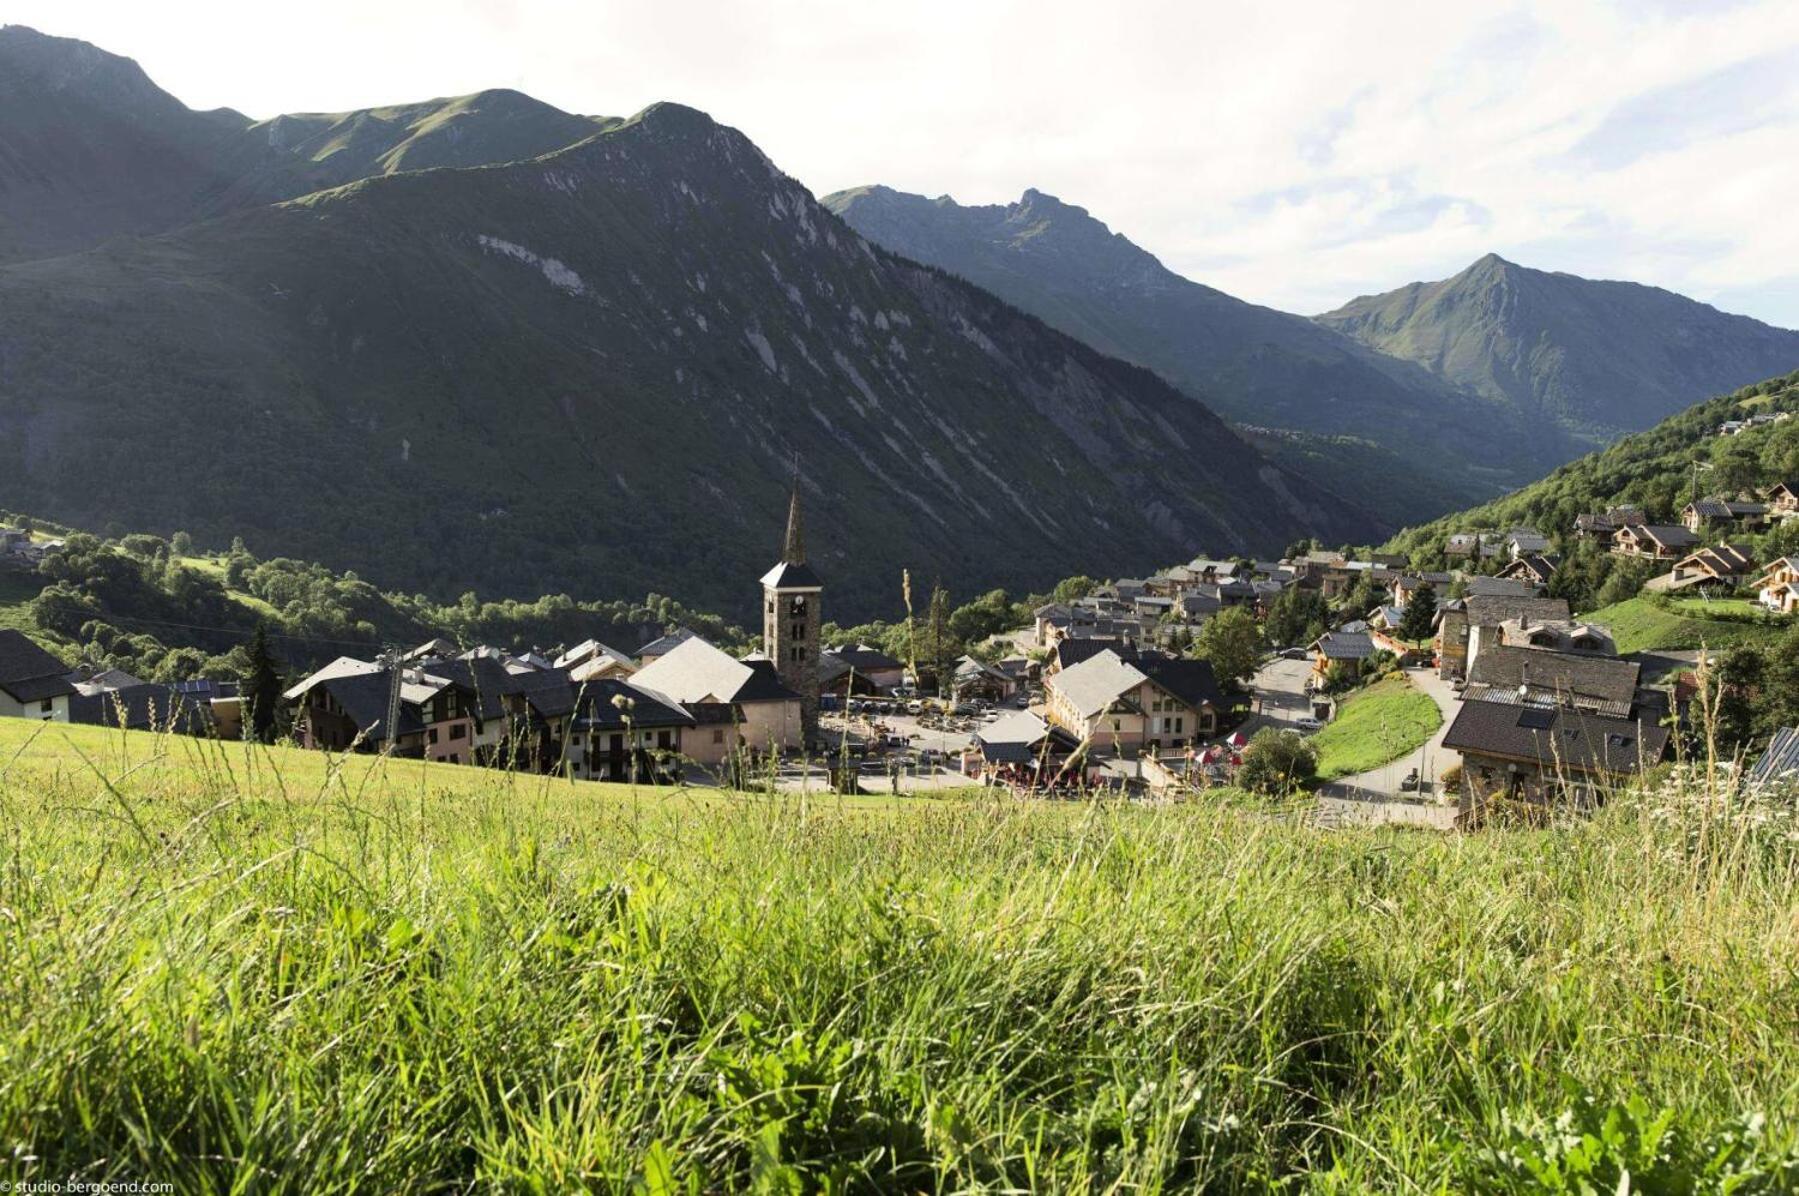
(431, 735)
(47, 705)
(718, 735)
(797, 631)
(459, 731)
(1177, 725)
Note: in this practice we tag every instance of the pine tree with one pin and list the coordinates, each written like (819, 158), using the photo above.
(1420, 614)
(261, 692)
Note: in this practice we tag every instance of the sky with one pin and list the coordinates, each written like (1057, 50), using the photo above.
(1294, 154)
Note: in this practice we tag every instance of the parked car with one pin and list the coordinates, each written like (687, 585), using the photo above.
(1307, 723)
(1293, 653)
(914, 707)
(1023, 701)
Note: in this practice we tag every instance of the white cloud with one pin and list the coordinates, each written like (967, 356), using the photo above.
(1294, 154)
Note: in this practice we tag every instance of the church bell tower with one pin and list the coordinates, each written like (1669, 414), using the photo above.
(791, 619)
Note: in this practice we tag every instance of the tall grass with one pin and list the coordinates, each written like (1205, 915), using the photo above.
(237, 969)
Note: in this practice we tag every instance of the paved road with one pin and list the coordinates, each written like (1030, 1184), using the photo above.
(1374, 797)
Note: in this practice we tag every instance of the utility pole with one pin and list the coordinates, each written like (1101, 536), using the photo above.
(391, 660)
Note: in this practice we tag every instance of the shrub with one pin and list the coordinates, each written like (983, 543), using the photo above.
(1277, 762)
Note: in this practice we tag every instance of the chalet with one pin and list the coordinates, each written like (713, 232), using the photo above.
(1783, 500)
(1408, 584)
(346, 705)
(1148, 701)
(1533, 567)
(1464, 623)
(1020, 747)
(1723, 567)
(620, 732)
(1211, 571)
(1556, 635)
(1522, 541)
(1655, 541)
(860, 668)
(768, 710)
(436, 648)
(1601, 684)
(977, 679)
(1778, 586)
(590, 660)
(1351, 649)
(1732, 427)
(1544, 752)
(143, 706)
(1602, 527)
(1072, 651)
(33, 683)
(1705, 513)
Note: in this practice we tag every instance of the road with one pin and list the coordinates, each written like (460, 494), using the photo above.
(1374, 797)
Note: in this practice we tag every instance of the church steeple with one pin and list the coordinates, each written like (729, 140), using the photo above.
(793, 551)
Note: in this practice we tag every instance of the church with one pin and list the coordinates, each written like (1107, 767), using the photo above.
(791, 593)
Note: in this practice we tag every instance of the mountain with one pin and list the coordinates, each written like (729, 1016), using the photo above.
(1596, 359)
(594, 371)
(90, 148)
(1422, 445)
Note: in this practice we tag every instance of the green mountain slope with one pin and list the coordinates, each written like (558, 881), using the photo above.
(1659, 470)
(1595, 359)
(593, 372)
(1260, 367)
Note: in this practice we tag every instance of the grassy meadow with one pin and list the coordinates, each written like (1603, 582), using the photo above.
(1389, 719)
(1642, 625)
(237, 969)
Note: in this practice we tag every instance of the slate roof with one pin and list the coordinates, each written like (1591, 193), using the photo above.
(1093, 685)
(1018, 739)
(599, 712)
(1483, 587)
(696, 671)
(588, 649)
(865, 659)
(764, 685)
(1344, 645)
(789, 576)
(666, 644)
(343, 666)
(550, 693)
(1490, 610)
(1665, 535)
(144, 706)
(1191, 681)
(1072, 650)
(1605, 684)
(1573, 739)
(484, 679)
(363, 697)
(29, 673)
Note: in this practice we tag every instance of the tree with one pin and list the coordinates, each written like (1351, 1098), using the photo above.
(1420, 614)
(1232, 642)
(261, 687)
(1293, 615)
(1277, 762)
(1071, 588)
(182, 544)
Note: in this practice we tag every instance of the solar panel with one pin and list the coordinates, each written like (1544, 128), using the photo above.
(1536, 719)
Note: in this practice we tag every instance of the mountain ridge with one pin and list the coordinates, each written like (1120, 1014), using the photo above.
(593, 369)
(1598, 358)
(1259, 366)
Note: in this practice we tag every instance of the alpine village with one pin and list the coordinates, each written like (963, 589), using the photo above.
(539, 654)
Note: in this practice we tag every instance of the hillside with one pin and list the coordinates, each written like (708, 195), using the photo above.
(1255, 365)
(1654, 470)
(267, 968)
(594, 372)
(1594, 359)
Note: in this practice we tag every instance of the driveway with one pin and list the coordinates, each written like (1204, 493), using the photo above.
(1280, 696)
(1432, 761)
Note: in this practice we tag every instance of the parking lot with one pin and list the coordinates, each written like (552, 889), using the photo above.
(895, 750)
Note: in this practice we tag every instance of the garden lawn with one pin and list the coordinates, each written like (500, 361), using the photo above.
(1387, 720)
(1640, 625)
(230, 969)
